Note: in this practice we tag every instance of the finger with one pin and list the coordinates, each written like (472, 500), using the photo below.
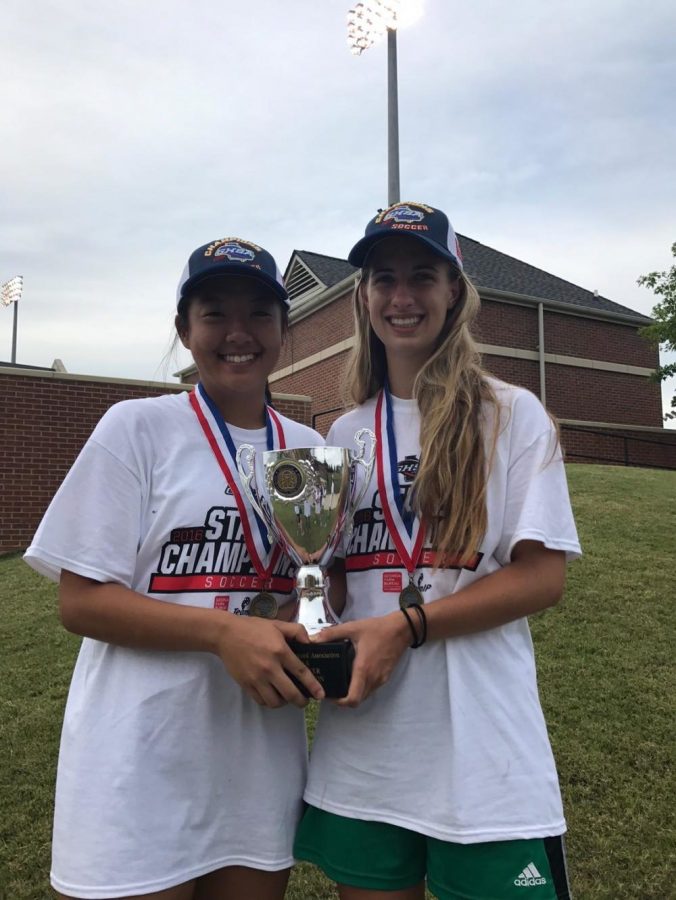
(290, 691)
(358, 691)
(293, 666)
(293, 631)
(254, 694)
(269, 695)
(290, 686)
(289, 662)
(334, 633)
(311, 685)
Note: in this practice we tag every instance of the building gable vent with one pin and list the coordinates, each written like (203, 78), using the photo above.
(300, 280)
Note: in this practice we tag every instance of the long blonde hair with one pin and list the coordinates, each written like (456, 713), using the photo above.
(449, 491)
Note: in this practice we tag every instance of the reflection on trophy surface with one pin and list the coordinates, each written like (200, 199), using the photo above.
(307, 497)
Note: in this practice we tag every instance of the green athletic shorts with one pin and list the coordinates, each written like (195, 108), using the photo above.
(382, 857)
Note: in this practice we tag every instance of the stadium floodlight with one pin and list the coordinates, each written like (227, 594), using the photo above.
(370, 21)
(10, 292)
(367, 23)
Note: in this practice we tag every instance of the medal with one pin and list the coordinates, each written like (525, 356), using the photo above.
(264, 606)
(410, 596)
(406, 529)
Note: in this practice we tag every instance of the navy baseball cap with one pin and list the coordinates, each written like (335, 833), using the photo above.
(424, 223)
(231, 255)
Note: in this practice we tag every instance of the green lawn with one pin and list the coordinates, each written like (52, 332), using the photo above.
(606, 679)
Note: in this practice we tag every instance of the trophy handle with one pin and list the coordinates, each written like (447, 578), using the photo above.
(247, 474)
(359, 456)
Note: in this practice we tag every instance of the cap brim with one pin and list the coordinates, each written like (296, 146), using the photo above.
(235, 268)
(358, 254)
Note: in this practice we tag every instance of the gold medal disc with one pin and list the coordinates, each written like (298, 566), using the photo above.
(410, 596)
(264, 606)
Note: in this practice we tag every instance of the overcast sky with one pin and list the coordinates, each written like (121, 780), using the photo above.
(134, 131)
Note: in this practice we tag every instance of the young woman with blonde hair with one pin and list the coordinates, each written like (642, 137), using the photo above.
(437, 766)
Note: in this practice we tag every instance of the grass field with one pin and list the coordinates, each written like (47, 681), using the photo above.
(606, 681)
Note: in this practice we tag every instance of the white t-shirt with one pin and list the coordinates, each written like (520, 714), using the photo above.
(455, 745)
(167, 770)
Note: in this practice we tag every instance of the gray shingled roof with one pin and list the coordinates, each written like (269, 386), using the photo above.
(329, 269)
(490, 269)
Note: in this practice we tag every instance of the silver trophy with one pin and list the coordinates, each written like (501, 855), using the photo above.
(306, 498)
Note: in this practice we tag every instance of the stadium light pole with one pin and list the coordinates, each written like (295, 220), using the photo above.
(10, 292)
(367, 23)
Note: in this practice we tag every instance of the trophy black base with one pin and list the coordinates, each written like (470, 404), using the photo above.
(330, 662)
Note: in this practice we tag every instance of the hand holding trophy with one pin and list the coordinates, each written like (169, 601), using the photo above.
(307, 501)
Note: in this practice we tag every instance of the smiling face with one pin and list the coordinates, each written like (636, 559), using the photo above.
(235, 330)
(408, 291)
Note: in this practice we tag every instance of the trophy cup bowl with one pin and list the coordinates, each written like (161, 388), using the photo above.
(307, 498)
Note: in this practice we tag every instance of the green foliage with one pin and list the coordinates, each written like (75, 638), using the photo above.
(663, 330)
(606, 680)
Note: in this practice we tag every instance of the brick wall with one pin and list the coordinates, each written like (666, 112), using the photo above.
(45, 422)
(594, 339)
(297, 408)
(510, 325)
(623, 447)
(507, 325)
(324, 383)
(329, 325)
(524, 372)
(599, 396)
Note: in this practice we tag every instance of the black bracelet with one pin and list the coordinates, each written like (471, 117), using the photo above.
(423, 624)
(411, 626)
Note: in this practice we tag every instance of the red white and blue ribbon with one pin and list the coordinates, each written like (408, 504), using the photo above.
(406, 529)
(263, 557)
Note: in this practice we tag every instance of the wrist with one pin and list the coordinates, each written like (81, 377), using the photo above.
(401, 627)
(416, 620)
(220, 631)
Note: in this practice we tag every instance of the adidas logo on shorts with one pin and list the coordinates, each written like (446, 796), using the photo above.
(530, 877)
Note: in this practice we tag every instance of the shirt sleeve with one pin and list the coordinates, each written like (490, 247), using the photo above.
(537, 503)
(93, 525)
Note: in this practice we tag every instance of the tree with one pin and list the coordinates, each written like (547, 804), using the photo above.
(663, 330)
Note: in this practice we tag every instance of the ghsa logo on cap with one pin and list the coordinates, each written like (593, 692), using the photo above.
(422, 222)
(235, 251)
(403, 214)
(231, 255)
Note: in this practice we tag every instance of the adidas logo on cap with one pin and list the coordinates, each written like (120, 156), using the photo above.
(530, 877)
